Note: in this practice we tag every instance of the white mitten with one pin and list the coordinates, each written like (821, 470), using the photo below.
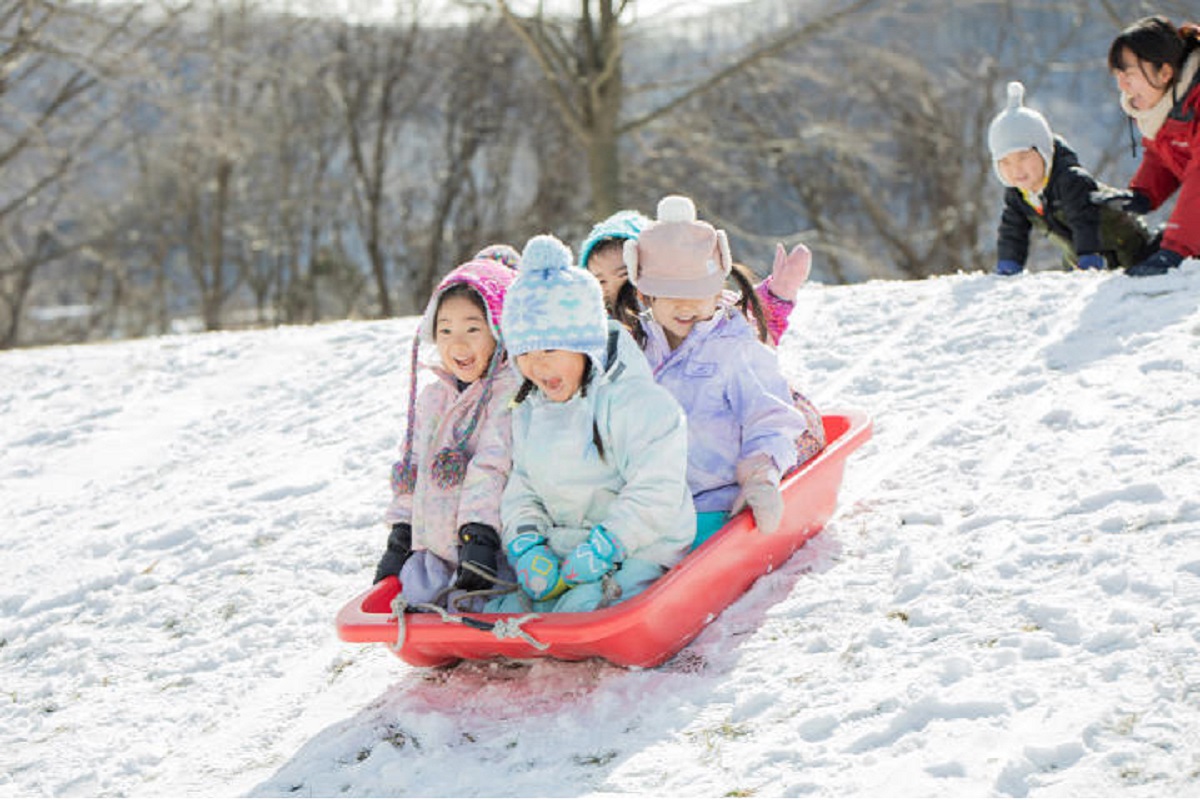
(759, 478)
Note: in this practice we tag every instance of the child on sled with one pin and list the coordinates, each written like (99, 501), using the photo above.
(1049, 191)
(602, 254)
(597, 505)
(445, 509)
(746, 427)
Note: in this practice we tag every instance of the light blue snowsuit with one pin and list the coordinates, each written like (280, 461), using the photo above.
(561, 484)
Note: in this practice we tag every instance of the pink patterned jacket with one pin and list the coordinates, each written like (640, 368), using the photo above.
(437, 513)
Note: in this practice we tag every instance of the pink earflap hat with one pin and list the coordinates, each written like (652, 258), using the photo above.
(677, 255)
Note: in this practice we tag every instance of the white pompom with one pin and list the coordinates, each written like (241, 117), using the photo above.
(676, 208)
(545, 252)
(1016, 94)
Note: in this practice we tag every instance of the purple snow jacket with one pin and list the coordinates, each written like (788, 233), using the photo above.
(736, 399)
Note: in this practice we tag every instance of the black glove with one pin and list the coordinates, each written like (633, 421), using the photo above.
(1129, 200)
(1156, 264)
(399, 548)
(480, 548)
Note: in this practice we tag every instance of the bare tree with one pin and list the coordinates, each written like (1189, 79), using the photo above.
(473, 111)
(59, 62)
(376, 85)
(583, 59)
(159, 164)
(1126, 13)
(289, 211)
(871, 146)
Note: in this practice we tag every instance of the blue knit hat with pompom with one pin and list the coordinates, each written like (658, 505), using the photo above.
(553, 305)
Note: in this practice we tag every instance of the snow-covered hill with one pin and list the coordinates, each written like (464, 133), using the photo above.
(1007, 603)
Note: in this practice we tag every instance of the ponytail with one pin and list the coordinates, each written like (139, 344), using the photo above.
(749, 303)
(527, 386)
(627, 311)
(1190, 33)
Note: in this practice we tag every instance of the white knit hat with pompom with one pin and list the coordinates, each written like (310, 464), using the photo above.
(1019, 128)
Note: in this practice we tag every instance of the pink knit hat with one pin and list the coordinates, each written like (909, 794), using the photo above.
(678, 256)
(489, 278)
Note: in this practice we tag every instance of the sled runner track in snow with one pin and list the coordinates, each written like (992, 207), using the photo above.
(932, 430)
(887, 347)
(645, 630)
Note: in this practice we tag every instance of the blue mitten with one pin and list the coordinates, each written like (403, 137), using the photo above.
(598, 555)
(1092, 261)
(1006, 267)
(536, 566)
(1156, 264)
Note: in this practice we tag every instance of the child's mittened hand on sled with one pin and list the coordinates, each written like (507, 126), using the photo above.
(790, 271)
(564, 539)
(478, 555)
(759, 478)
(595, 557)
(536, 566)
(399, 548)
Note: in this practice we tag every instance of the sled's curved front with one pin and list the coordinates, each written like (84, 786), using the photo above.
(645, 630)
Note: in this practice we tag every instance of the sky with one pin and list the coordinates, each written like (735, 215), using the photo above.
(1006, 603)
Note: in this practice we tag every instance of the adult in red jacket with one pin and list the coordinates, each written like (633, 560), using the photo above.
(1157, 67)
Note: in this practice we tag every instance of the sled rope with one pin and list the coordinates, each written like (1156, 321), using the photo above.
(510, 628)
(507, 628)
(399, 606)
(499, 587)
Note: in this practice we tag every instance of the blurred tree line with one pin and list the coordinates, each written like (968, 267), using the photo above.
(234, 162)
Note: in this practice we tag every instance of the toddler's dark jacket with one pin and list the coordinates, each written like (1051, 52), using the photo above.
(1071, 220)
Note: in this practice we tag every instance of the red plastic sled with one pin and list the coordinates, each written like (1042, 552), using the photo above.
(645, 630)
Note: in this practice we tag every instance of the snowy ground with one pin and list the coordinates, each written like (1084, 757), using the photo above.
(1007, 604)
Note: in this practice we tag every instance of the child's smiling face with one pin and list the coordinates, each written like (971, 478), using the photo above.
(608, 265)
(557, 373)
(463, 337)
(1024, 169)
(678, 316)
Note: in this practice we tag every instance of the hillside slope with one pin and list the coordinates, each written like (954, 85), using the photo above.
(1007, 603)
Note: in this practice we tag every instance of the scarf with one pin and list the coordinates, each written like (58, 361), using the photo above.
(1035, 199)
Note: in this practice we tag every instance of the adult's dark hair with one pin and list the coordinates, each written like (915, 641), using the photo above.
(1156, 41)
